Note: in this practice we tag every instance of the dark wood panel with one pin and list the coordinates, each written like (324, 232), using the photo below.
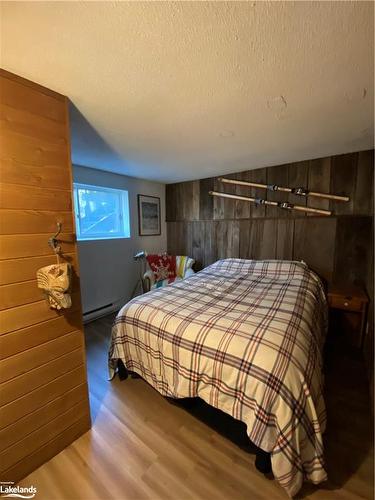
(226, 234)
(343, 182)
(267, 247)
(176, 238)
(258, 239)
(187, 237)
(206, 202)
(218, 202)
(314, 242)
(364, 188)
(350, 174)
(170, 202)
(198, 243)
(209, 243)
(190, 200)
(242, 208)
(354, 251)
(179, 205)
(285, 238)
(171, 238)
(229, 205)
(245, 232)
(268, 239)
(319, 181)
(298, 177)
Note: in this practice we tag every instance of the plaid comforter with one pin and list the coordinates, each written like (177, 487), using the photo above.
(245, 336)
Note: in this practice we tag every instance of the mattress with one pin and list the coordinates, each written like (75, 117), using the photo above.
(246, 336)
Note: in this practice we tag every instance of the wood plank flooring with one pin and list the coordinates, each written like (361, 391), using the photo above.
(143, 447)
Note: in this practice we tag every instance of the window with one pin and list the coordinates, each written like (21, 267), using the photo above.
(101, 213)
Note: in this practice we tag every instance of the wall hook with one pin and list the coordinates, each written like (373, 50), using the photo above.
(53, 242)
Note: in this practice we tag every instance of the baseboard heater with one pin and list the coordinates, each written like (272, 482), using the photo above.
(98, 312)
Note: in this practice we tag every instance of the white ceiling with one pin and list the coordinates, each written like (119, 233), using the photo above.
(174, 91)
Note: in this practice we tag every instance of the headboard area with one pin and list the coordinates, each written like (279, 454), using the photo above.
(338, 247)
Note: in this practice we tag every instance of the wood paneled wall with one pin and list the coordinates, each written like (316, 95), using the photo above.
(43, 398)
(339, 248)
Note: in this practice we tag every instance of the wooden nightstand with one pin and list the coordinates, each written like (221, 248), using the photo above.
(348, 311)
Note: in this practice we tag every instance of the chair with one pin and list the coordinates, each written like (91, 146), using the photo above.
(166, 269)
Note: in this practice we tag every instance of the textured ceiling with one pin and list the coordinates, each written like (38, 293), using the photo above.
(183, 90)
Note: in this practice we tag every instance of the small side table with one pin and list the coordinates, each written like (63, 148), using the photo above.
(354, 300)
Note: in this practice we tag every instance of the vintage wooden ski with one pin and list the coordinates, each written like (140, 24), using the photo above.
(281, 204)
(300, 191)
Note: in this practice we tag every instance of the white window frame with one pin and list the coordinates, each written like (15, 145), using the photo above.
(124, 209)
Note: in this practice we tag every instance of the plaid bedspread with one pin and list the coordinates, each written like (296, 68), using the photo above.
(246, 337)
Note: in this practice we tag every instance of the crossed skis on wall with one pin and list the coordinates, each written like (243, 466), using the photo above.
(299, 191)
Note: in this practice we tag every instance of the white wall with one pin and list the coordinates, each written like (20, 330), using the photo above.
(108, 271)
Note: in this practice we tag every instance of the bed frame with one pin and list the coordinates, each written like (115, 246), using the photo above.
(262, 458)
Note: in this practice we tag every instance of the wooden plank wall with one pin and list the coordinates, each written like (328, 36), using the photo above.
(43, 398)
(338, 248)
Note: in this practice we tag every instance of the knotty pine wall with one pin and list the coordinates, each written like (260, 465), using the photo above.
(43, 389)
(339, 248)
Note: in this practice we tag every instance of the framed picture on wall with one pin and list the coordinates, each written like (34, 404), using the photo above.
(149, 215)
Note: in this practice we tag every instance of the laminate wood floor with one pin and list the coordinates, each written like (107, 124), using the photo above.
(143, 447)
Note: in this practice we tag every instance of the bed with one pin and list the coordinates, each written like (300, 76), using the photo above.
(245, 336)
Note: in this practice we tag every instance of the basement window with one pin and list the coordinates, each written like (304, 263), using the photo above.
(101, 213)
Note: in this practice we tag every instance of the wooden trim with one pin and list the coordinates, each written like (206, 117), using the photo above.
(28, 83)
